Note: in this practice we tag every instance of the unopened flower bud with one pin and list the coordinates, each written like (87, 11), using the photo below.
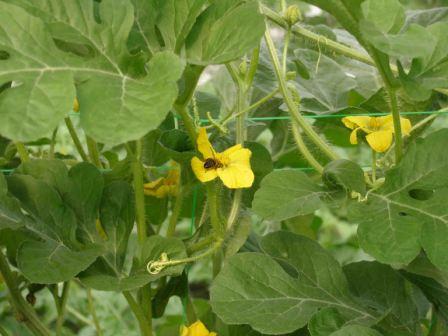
(293, 15)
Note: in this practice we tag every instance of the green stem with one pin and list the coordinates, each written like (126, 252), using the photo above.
(188, 122)
(397, 124)
(253, 67)
(296, 116)
(23, 153)
(61, 307)
(213, 207)
(200, 245)
(92, 310)
(304, 149)
(146, 303)
(52, 144)
(258, 103)
(139, 314)
(373, 166)
(175, 212)
(21, 306)
(285, 50)
(328, 43)
(94, 154)
(3, 332)
(75, 138)
(139, 192)
(168, 263)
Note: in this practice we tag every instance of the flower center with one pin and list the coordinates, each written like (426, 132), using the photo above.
(374, 124)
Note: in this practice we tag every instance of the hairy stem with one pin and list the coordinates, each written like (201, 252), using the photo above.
(139, 194)
(94, 153)
(31, 320)
(92, 310)
(139, 314)
(75, 138)
(397, 124)
(296, 116)
(175, 212)
(52, 144)
(61, 307)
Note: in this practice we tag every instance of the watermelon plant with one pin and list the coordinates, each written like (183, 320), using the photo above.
(223, 167)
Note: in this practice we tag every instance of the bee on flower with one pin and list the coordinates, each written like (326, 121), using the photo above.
(379, 130)
(196, 329)
(232, 166)
(164, 186)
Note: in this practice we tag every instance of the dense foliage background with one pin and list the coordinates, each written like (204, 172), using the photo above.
(317, 246)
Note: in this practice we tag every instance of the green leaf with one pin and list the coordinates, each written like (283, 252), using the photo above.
(218, 37)
(285, 194)
(237, 235)
(385, 290)
(388, 16)
(115, 105)
(325, 322)
(177, 145)
(116, 109)
(344, 174)
(152, 151)
(173, 19)
(278, 292)
(11, 216)
(430, 72)
(60, 205)
(261, 163)
(326, 91)
(39, 97)
(408, 212)
(208, 31)
(356, 330)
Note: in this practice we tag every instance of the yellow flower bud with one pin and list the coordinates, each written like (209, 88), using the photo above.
(293, 15)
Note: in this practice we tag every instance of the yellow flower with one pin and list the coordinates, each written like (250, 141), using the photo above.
(379, 130)
(232, 166)
(196, 329)
(164, 186)
(76, 105)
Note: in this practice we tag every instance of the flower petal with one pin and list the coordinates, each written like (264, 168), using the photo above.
(238, 173)
(204, 145)
(380, 141)
(356, 121)
(232, 149)
(203, 175)
(198, 329)
(354, 136)
(406, 126)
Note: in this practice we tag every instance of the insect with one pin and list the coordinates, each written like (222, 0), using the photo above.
(212, 163)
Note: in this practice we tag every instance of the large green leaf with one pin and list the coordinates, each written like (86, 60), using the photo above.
(218, 36)
(173, 19)
(326, 90)
(11, 216)
(380, 287)
(59, 217)
(279, 291)
(208, 31)
(287, 193)
(116, 106)
(409, 211)
(344, 174)
(40, 96)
